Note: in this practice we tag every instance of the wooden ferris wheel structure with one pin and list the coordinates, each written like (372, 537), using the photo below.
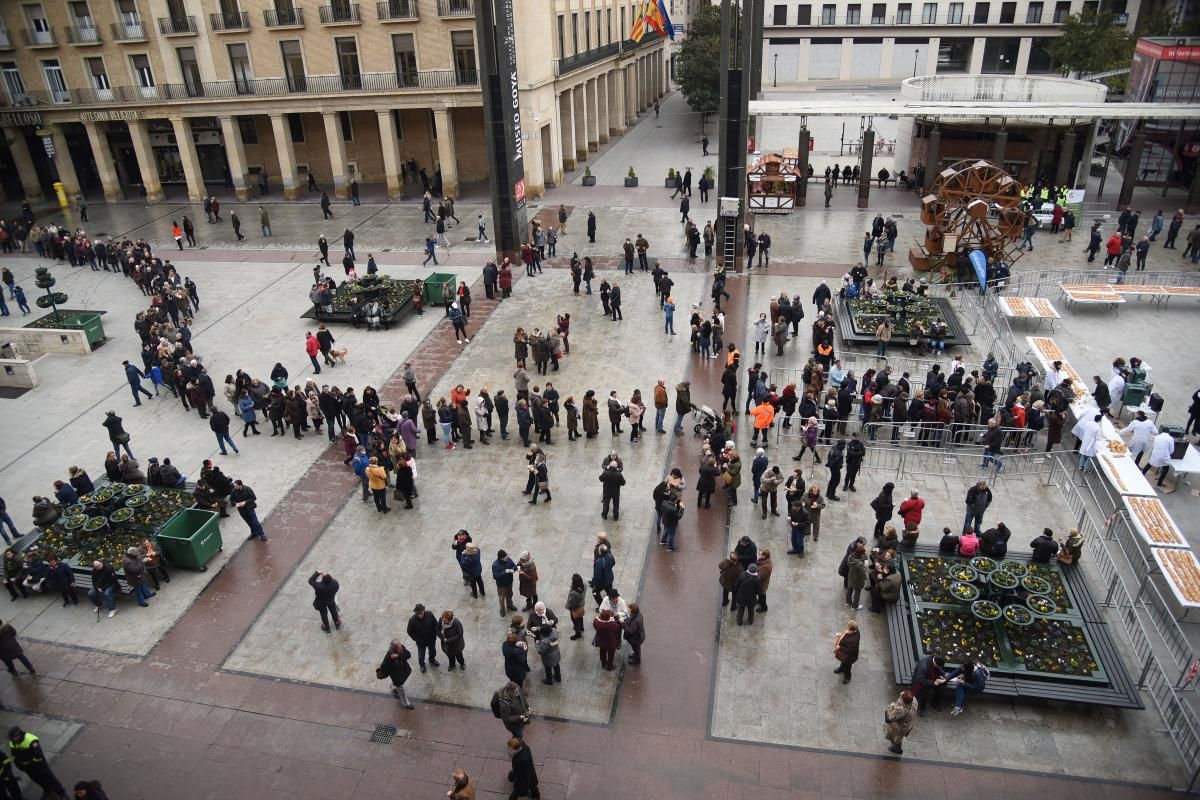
(972, 205)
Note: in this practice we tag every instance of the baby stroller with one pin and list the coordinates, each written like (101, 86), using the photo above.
(707, 421)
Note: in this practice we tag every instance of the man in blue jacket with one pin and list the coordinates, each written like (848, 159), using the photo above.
(135, 377)
(360, 464)
(503, 569)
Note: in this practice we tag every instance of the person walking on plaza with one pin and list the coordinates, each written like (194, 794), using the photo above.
(608, 638)
(245, 501)
(979, 497)
(845, 650)
(898, 721)
(135, 377)
(264, 221)
(10, 649)
(325, 588)
(218, 422)
(325, 206)
(117, 435)
(464, 785)
(503, 570)
(510, 706)
(28, 757)
(523, 776)
(591, 226)
(395, 666)
(312, 346)
(423, 629)
(236, 222)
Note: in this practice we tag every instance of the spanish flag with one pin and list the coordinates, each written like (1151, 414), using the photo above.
(652, 14)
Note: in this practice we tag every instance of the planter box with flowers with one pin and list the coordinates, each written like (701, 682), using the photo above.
(588, 178)
(1021, 620)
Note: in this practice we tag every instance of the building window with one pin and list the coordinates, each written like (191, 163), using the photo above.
(804, 15)
(144, 76)
(981, 13)
(608, 23)
(347, 128)
(1061, 12)
(347, 57)
(587, 30)
(293, 65)
(599, 28)
(14, 84)
(623, 29)
(574, 34)
(191, 71)
(239, 65)
(85, 26)
(296, 128)
(405, 54)
(55, 81)
(853, 14)
(929, 13)
(878, 13)
(780, 16)
(247, 129)
(1000, 55)
(397, 120)
(562, 38)
(828, 15)
(904, 14)
(462, 43)
(955, 16)
(1008, 13)
(1034, 14)
(99, 78)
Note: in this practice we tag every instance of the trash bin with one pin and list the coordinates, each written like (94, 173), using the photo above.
(191, 538)
(1135, 394)
(92, 327)
(61, 193)
(434, 287)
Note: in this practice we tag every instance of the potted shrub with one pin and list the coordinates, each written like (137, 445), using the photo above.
(670, 178)
(588, 178)
(631, 179)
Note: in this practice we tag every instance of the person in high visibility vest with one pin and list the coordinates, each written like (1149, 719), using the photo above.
(28, 756)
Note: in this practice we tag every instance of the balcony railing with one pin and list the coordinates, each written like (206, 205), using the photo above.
(847, 20)
(456, 8)
(569, 64)
(393, 10)
(650, 38)
(340, 12)
(83, 34)
(293, 18)
(36, 38)
(275, 87)
(229, 21)
(128, 31)
(176, 26)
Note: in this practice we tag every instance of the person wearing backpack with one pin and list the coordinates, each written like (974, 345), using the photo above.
(510, 707)
(969, 678)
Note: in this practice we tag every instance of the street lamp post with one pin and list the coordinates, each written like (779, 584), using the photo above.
(775, 75)
(916, 55)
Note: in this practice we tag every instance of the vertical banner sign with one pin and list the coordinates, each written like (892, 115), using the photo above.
(497, 50)
(512, 120)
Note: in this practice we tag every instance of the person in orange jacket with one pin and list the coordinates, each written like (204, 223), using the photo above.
(764, 414)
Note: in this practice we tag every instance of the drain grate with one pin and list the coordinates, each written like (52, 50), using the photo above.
(383, 734)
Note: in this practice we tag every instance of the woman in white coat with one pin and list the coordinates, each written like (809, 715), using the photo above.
(1139, 435)
(1160, 456)
(1087, 431)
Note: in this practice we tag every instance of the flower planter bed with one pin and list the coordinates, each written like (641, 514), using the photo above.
(382, 287)
(1041, 637)
(858, 318)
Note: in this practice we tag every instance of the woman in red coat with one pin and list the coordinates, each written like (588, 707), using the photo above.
(505, 280)
(608, 637)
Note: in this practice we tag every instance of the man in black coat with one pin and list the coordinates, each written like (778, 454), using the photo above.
(856, 451)
(523, 776)
(219, 423)
(325, 587)
(1044, 547)
(591, 227)
(395, 666)
(614, 302)
(979, 497)
(612, 480)
(422, 629)
(749, 586)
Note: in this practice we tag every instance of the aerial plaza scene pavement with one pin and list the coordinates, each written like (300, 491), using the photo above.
(890, 495)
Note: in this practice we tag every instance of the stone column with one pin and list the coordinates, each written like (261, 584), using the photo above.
(189, 158)
(616, 102)
(977, 48)
(1193, 201)
(390, 146)
(1000, 147)
(235, 154)
(1024, 48)
(933, 158)
(337, 154)
(287, 155)
(444, 123)
(802, 168)
(145, 158)
(25, 171)
(1132, 165)
(1066, 156)
(931, 55)
(63, 164)
(865, 175)
(1084, 171)
(566, 125)
(886, 57)
(846, 58)
(102, 155)
(602, 107)
(593, 136)
(579, 95)
(631, 109)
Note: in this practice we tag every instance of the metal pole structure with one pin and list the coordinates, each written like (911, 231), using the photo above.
(737, 28)
(775, 72)
(916, 58)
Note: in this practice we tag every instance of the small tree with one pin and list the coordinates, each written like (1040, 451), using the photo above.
(1092, 42)
(698, 68)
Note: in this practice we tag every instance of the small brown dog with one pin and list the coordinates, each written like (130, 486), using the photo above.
(340, 355)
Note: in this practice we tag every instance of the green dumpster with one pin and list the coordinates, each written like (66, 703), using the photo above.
(191, 538)
(435, 287)
(91, 326)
